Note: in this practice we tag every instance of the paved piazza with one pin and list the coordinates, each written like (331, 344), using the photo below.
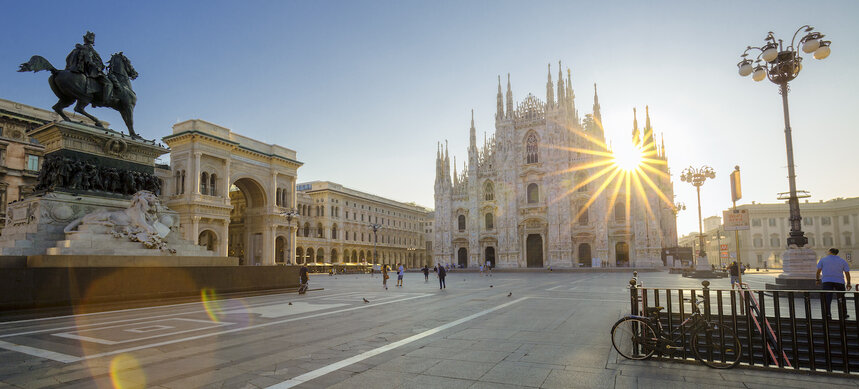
(553, 332)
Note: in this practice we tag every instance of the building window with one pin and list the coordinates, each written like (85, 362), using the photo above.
(826, 220)
(759, 242)
(204, 183)
(460, 222)
(619, 211)
(827, 240)
(808, 221)
(760, 258)
(33, 163)
(581, 177)
(488, 191)
(847, 240)
(772, 222)
(845, 219)
(774, 241)
(533, 193)
(212, 184)
(756, 222)
(810, 240)
(583, 215)
(531, 149)
(490, 222)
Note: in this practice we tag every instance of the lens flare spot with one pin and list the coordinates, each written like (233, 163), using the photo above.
(211, 304)
(125, 372)
(628, 157)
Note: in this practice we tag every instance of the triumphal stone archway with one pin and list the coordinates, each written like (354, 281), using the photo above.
(231, 191)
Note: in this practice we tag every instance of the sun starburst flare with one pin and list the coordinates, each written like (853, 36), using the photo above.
(626, 175)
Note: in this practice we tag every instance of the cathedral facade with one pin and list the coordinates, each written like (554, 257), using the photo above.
(545, 190)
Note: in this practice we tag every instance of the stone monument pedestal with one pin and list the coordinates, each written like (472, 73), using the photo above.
(102, 183)
(800, 269)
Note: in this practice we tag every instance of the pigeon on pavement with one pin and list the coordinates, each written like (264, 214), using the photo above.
(366, 301)
(490, 286)
(509, 294)
(290, 303)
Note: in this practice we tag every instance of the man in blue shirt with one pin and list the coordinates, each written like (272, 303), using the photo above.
(833, 270)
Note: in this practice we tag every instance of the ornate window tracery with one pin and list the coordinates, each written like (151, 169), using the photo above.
(532, 149)
(489, 191)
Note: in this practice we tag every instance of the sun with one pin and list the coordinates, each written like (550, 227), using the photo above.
(628, 157)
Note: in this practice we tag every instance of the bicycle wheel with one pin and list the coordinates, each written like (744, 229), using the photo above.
(717, 346)
(633, 338)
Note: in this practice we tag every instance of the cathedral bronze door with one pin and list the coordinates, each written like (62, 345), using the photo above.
(534, 250)
(584, 255)
(462, 257)
(621, 254)
(489, 257)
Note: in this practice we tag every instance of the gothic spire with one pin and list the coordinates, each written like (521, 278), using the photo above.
(636, 136)
(472, 136)
(455, 176)
(550, 93)
(509, 98)
(561, 89)
(597, 114)
(663, 146)
(648, 130)
(500, 109)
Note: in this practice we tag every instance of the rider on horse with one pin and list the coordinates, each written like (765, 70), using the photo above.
(85, 60)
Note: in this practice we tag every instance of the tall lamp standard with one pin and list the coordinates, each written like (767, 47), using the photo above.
(376, 228)
(781, 65)
(696, 177)
(289, 215)
(675, 209)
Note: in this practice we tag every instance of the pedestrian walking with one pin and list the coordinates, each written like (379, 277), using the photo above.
(401, 271)
(831, 272)
(385, 276)
(481, 269)
(426, 273)
(303, 277)
(734, 272)
(441, 274)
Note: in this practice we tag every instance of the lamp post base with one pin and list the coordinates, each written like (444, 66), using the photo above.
(800, 267)
(702, 264)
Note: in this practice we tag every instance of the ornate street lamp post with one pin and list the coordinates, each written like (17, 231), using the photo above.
(696, 177)
(289, 215)
(781, 65)
(376, 228)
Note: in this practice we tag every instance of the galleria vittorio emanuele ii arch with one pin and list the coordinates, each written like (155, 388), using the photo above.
(231, 191)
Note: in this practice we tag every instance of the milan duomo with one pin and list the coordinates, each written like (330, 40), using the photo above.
(533, 195)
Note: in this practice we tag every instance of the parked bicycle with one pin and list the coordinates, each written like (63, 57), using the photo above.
(639, 337)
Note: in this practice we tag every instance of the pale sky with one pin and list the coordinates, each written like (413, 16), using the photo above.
(363, 90)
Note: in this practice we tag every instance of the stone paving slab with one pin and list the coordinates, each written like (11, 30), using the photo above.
(555, 338)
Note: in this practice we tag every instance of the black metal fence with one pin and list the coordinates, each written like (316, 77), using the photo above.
(778, 329)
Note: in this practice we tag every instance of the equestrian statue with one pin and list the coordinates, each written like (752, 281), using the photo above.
(84, 81)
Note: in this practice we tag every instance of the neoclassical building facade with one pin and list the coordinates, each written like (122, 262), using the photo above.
(231, 191)
(543, 191)
(335, 225)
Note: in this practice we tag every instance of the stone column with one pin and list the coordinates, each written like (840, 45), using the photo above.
(273, 188)
(224, 248)
(195, 229)
(268, 245)
(197, 172)
(227, 181)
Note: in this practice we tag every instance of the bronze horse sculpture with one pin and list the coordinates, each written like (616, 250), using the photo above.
(71, 87)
